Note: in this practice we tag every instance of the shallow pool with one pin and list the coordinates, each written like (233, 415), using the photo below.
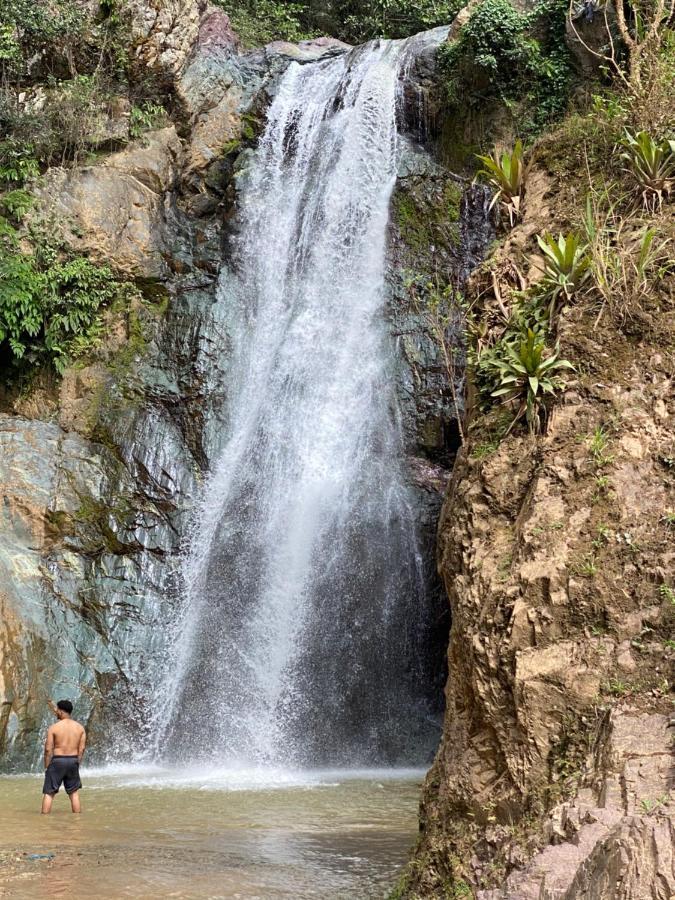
(210, 833)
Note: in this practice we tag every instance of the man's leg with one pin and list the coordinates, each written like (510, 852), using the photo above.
(75, 802)
(47, 800)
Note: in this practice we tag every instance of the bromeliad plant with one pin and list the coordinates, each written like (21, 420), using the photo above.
(651, 164)
(506, 174)
(523, 373)
(566, 269)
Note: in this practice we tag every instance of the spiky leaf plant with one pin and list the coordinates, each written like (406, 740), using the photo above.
(566, 268)
(524, 373)
(506, 174)
(652, 164)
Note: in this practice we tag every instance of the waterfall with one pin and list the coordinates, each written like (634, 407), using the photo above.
(304, 615)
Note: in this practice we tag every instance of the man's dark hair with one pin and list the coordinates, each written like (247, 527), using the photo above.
(65, 706)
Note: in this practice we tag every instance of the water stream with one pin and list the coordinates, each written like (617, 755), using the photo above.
(304, 624)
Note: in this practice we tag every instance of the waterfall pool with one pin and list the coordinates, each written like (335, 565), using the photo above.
(151, 832)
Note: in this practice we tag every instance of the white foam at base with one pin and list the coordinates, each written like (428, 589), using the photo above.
(211, 778)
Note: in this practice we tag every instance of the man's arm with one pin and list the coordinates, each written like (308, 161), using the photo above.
(49, 746)
(82, 744)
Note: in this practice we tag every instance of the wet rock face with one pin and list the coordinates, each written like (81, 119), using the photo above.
(78, 532)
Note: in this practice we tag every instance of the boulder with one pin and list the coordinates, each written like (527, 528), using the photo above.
(116, 211)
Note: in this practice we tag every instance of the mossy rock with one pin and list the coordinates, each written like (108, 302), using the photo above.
(426, 217)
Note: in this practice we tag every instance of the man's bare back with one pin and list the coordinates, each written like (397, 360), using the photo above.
(64, 748)
(68, 738)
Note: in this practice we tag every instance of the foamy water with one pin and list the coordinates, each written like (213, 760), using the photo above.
(245, 778)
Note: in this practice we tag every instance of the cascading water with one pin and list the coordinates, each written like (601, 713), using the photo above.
(305, 617)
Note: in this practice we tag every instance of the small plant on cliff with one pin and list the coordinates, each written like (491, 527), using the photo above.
(144, 117)
(17, 163)
(651, 164)
(506, 174)
(524, 372)
(15, 204)
(567, 268)
(443, 312)
(50, 306)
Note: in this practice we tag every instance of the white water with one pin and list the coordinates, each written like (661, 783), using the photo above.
(215, 778)
(304, 588)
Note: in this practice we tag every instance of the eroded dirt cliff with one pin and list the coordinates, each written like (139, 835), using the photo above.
(555, 774)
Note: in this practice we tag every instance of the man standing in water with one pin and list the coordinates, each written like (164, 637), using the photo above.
(64, 749)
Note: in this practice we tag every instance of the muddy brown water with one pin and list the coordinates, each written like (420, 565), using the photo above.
(154, 833)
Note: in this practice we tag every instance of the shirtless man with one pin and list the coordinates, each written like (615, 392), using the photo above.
(64, 749)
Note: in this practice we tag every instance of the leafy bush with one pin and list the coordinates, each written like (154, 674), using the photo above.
(651, 164)
(50, 307)
(259, 22)
(44, 32)
(144, 117)
(492, 53)
(17, 163)
(367, 19)
(506, 174)
(15, 204)
(521, 371)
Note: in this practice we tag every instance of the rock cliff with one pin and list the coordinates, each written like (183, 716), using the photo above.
(100, 468)
(554, 778)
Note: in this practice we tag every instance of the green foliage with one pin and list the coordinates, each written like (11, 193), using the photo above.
(144, 117)
(367, 19)
(520, 370)
(506, 174)
(10, 49)
(17, 163)
(492, 49)
(651, 164)
(50, 305)
(15, 204)
(259, 22)
(38, 23)
(567, 268)
(503, 54)
(78, 56)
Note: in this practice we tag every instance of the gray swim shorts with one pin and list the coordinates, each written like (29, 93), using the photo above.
(62, 770)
